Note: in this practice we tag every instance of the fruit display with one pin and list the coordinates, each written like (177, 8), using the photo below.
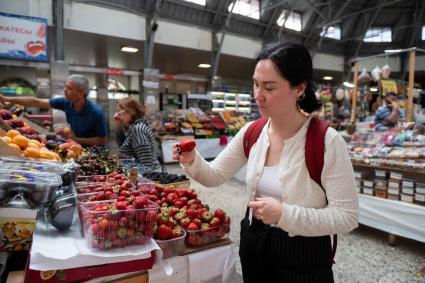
(66, 148)
(113, 178)
(116, 188)
(28, 147)
(113, 224)
(165, 178)
(98, 164)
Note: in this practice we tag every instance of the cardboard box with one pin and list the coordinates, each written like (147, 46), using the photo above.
(87, 272)
(16, 228)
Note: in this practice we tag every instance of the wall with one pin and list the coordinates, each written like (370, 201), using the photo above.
(328, 62)
(32, 8)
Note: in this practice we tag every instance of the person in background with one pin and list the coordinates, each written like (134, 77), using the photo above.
(287, 239)
(389, 114)
(134, 136)
(86, 118)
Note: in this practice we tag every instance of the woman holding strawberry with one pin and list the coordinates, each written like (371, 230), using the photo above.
(134, 136)
(300, 182)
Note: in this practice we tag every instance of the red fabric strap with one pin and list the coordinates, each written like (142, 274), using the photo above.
(252, 133)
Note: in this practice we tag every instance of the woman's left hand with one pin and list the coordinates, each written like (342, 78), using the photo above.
(268, 210)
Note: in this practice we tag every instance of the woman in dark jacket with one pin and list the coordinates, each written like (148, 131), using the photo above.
(134, 136)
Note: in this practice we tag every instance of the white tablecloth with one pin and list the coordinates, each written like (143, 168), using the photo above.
(396, 217)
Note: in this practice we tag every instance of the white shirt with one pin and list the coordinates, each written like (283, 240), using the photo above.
(268, 184)
(304, 210)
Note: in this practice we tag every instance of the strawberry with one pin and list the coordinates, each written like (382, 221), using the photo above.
(164, 232)
(193, 240)
(140, 202)
(121, 198)
(135, 193)
(219, 213)
(170, 222)
(172, 198)
(185, 222)
(173, 211)
(197, 222)
(215, 222)
(123, 222)
(226, 220)
(192, 213)
(108, 194)
(192, 227)
(100, 197)
(176, 232)
(101, 179)
(178, 204)
(121, 205)
(187, 145)
(184, 200)
(150, 215)
(207, 217)
(125, 194)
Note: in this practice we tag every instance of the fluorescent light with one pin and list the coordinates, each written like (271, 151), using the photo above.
(328, 78)
(204, 66)
(393, 50)
(129, 49)
(347, 84)
(373, 89)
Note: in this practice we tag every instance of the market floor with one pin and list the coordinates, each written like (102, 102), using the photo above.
(363, 255)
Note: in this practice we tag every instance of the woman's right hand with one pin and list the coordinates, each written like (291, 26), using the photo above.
(185, 158)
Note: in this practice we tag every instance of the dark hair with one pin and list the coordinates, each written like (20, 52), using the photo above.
(294, 63)
(133, 107)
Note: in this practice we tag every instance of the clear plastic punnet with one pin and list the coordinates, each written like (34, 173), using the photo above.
(33, 187)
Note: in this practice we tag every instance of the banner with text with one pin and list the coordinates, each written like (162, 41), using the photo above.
(23, 37)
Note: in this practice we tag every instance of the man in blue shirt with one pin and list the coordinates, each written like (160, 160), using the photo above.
(88, 124)
(388, 114)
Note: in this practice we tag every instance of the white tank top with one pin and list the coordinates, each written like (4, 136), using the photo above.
(268, 184)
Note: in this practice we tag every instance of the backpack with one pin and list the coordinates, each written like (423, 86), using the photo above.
(314, 152)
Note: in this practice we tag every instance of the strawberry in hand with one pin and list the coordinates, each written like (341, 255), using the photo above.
(187, 145)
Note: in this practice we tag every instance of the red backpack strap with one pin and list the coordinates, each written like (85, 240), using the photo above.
(252, 133)
(315, 149)
(314, 159)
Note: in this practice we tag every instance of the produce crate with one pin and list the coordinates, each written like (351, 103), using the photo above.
(205, 236)
(113, 228)
(172, 247)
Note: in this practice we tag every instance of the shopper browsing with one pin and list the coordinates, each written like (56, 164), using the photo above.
(389, 114)
(134, 136)
(86, 119)
(287, 239)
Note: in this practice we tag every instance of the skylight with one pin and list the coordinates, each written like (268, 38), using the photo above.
(248, 8)
(423, 32)
(378, 34)
(199, 2)
(292, 22)
(332, 32)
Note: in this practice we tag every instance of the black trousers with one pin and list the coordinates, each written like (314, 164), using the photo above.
(268, 254)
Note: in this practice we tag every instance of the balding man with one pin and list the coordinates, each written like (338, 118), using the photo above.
(88, 124)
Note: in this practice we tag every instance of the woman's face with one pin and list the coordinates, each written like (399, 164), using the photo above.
(272, 92)
(122, 116)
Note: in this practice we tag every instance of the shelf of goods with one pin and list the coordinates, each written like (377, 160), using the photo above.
(224, 101)
(392, 199)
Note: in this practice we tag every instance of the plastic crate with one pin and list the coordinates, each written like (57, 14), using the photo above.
(100, 187)
(172, 247)
(117, 228)
(202, 237)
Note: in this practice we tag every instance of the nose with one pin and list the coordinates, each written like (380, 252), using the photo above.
(258, 94)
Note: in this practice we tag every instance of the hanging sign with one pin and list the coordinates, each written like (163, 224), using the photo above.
(23, 37)
(388, 86)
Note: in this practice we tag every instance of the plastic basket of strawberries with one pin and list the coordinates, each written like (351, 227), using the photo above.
(113, 223)
(170, 239)
(205, 227)
(113, 178)
(104, 187)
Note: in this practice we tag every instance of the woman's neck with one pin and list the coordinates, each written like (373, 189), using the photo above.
(286, 126)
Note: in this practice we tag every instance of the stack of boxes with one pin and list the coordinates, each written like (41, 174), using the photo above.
(390, 185)
(420, 193)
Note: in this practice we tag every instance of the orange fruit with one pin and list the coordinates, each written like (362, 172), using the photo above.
(21, 141)
(71, 154)
(31, 144)
(36, 142)
(46, 155)
(66, 130)
(7, 139)
(46, 275)
(13, 133)
(15, 147)
(32, 152)
(77, 149)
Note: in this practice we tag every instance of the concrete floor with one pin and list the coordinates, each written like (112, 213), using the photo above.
(363, 255)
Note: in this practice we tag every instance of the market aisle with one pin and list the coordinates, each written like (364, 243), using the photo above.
(363, 255)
